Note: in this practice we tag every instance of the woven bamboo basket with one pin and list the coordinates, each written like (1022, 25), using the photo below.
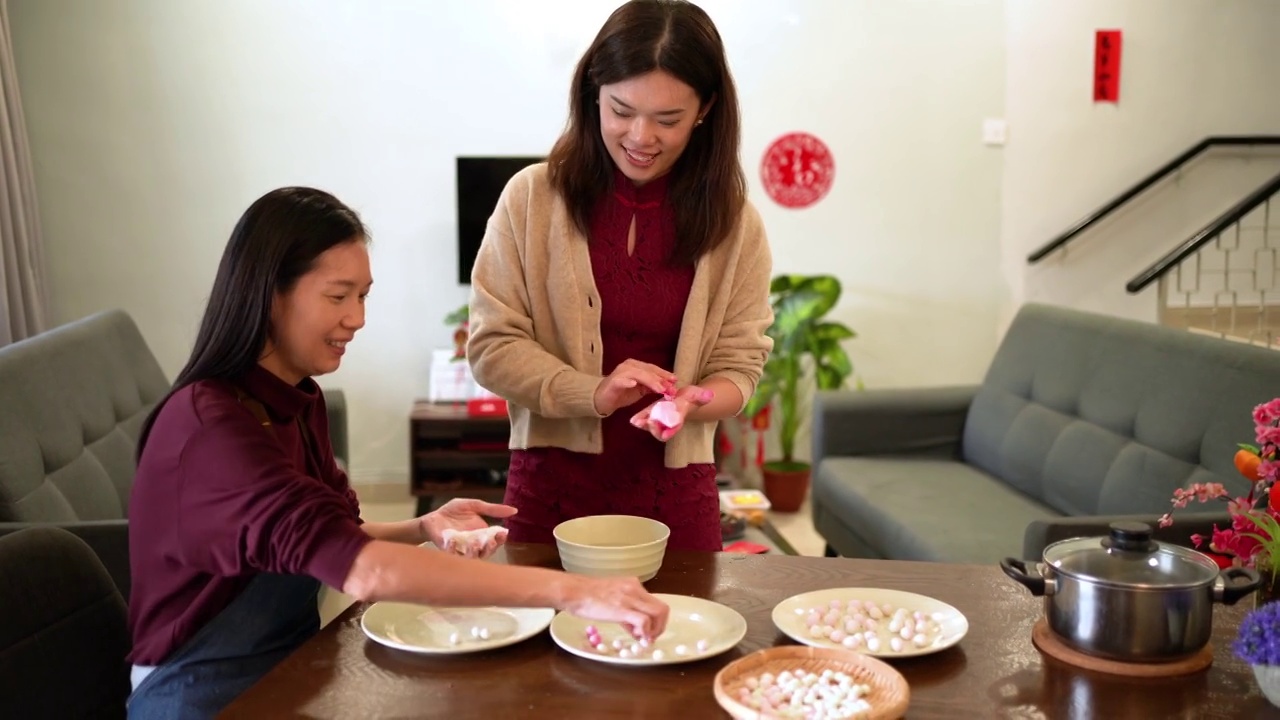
(889, 695)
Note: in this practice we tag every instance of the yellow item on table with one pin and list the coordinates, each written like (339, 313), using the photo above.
(754, 518)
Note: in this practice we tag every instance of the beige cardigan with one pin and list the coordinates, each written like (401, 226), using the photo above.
(535, 321)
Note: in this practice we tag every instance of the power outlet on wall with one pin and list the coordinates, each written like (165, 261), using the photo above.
(994, 131)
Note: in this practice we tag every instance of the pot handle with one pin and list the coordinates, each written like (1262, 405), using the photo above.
(1227, 592)
(1017, 570)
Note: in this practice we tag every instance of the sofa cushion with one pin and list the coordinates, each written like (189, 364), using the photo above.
(65, 632)
(926, 509)
(1092, 414)
(73, 406)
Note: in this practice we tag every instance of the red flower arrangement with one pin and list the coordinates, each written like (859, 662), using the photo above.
(1253, 540)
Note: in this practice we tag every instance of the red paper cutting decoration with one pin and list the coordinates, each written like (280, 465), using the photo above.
(1106, 66)
(797, 170)
(760, 423)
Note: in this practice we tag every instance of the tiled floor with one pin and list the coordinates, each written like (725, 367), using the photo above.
(797, 528)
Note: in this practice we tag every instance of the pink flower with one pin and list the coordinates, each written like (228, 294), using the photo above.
(1233, 542)
(1267, 413)
(1240, 522)
(1209, 491)
(1200, 492)
(1240, 507)
(1269, 470)
(1268, 435)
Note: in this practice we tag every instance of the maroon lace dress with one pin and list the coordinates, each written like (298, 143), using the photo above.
(642, 300)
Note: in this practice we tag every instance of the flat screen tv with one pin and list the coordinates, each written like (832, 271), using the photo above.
(480, 181)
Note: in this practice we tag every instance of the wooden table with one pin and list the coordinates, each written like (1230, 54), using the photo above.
(995, 672)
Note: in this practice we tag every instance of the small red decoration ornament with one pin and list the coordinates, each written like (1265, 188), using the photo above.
(797, 170)
(760, 423)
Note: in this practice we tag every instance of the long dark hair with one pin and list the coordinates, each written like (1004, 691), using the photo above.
(276, 241)
(707, 187)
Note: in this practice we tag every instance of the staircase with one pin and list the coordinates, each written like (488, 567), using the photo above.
(1227, 282)
(1224, 278)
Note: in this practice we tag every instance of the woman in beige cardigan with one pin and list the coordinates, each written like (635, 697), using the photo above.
(628, 266)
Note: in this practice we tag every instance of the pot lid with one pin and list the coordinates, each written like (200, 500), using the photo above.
(1128, 557)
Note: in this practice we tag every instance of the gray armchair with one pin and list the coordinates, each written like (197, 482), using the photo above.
(72, 404)
(1081, 420)
(335, 407)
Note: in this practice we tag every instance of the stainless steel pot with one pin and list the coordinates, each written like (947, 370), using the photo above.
(1128, 597)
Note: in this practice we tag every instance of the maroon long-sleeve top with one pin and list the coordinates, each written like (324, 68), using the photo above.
(219, 497)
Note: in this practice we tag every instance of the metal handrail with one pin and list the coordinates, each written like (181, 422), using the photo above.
(1204, 236)
(1143, 185)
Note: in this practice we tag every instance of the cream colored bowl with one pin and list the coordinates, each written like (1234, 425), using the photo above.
(612, 545)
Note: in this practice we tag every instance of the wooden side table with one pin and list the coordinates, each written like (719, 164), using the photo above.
(453, 454)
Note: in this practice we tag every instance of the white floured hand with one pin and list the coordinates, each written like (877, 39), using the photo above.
(473, 543)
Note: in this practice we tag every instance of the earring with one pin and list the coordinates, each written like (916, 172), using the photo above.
(697, 122)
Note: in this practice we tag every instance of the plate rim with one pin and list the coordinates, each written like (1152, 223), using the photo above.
(777, 613)
(573, 649)
(542, 624)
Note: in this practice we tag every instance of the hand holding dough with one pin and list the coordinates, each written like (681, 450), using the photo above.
(666, 414)
(474, 543)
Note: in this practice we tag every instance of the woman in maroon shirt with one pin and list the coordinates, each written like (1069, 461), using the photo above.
(648, 169)
(239, 511)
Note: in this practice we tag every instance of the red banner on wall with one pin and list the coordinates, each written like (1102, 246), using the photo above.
(1106, 67)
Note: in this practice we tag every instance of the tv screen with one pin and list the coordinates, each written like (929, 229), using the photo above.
(480, 182)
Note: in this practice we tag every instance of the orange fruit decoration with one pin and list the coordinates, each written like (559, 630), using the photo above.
(1247, 463)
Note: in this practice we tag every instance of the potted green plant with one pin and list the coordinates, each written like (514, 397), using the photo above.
(806, 348)
(460, 320)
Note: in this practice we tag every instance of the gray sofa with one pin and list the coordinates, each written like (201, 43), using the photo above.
(1081, 420)
(72, 402)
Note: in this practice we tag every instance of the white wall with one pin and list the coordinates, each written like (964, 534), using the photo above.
(1190, 69)
(155, 123)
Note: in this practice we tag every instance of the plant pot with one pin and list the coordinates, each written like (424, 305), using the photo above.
(785, 484)
(1268, 677)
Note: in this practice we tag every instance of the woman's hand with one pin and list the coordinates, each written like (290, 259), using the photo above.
(619, 599)
(664, 422)
(464, 515)
(474, 543)
(629, 383)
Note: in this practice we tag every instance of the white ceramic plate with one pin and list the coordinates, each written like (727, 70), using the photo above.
(691, 620)
(790, 617)
(428, 630)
